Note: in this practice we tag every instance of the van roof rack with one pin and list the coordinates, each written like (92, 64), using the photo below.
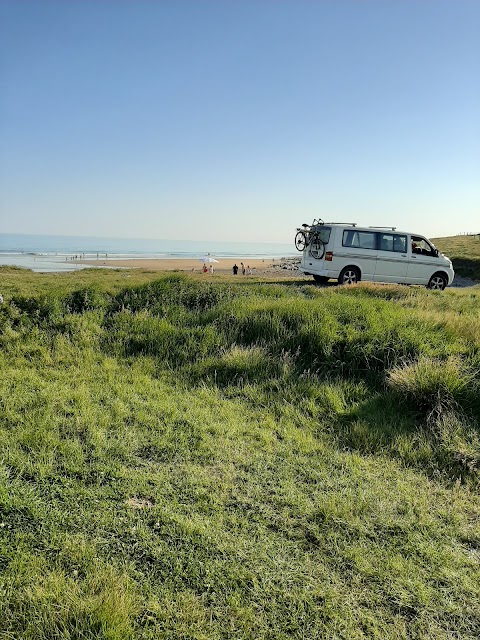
(375, 227)
(349, 224)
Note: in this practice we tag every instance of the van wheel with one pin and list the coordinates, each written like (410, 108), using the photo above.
(438, 282)
(349, 275)
(322, 279)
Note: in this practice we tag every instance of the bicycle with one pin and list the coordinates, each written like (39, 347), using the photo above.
(309, 236)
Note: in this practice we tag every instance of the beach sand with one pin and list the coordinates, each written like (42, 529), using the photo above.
(259, 266)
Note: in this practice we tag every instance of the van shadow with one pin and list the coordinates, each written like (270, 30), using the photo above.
(293, 283)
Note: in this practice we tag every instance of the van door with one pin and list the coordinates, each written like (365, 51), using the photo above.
(359, 249)
(392, 257)
(314, 254)
(423, 261)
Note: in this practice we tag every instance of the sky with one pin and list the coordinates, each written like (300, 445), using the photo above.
(238, 119)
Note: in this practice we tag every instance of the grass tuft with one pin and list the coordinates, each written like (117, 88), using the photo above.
(431, 383)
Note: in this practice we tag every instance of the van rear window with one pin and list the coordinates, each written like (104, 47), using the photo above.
(324, 233)
(359, 239)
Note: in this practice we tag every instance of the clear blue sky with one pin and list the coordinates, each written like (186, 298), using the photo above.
(238, 120)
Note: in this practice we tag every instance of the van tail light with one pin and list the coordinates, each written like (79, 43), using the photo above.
(329, 256)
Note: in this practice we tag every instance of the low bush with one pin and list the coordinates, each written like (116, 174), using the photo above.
(432, 383)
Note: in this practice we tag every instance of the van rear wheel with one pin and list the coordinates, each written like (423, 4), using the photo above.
(349, 275)
(437, 282)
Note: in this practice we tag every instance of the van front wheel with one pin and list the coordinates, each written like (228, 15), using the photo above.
(438, 281)
(349, 275)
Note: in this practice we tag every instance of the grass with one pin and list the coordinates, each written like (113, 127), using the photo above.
(464, 251)
(181, 459)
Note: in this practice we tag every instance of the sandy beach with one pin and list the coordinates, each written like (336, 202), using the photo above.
(258, 266)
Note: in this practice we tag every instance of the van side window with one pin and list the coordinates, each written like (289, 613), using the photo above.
(359, 239)
(392, 242)
(422, 247)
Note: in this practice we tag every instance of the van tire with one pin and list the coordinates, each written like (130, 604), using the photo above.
(321, 279)
(349, 275)
(438, 282)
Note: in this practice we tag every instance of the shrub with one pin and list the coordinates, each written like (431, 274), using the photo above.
(142, 334)
(171, 291)
(87, 299)
(431, 383)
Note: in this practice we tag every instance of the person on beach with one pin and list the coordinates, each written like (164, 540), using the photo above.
(243, 268)
(235, 269)
(249, 271)
(204, 269)
(211, 269)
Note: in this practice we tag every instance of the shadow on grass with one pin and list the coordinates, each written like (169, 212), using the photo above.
(298, 282)
(446, 440)
(467, 267)
(357, 413)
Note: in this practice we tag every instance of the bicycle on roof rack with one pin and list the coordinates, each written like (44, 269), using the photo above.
(309, 236)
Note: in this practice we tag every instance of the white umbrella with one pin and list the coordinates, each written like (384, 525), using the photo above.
(207, 259)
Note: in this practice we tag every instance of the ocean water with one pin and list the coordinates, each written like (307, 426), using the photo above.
(55, 253)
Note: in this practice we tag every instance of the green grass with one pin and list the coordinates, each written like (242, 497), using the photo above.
(181, 459)
(464, 251)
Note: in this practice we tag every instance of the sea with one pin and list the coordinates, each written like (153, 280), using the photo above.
(59, 253)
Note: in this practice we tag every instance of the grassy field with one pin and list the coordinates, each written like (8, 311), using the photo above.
(464, 251)
(183, 459)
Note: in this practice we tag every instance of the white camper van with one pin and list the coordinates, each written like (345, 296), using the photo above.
(349, 253)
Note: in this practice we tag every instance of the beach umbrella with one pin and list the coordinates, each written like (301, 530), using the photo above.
(207, 259)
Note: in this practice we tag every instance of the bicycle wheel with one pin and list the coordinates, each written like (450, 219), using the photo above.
(301, 241)
(317, 248)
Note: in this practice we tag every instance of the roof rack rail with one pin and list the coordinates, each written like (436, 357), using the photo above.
(350, 224)
(375, 227)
